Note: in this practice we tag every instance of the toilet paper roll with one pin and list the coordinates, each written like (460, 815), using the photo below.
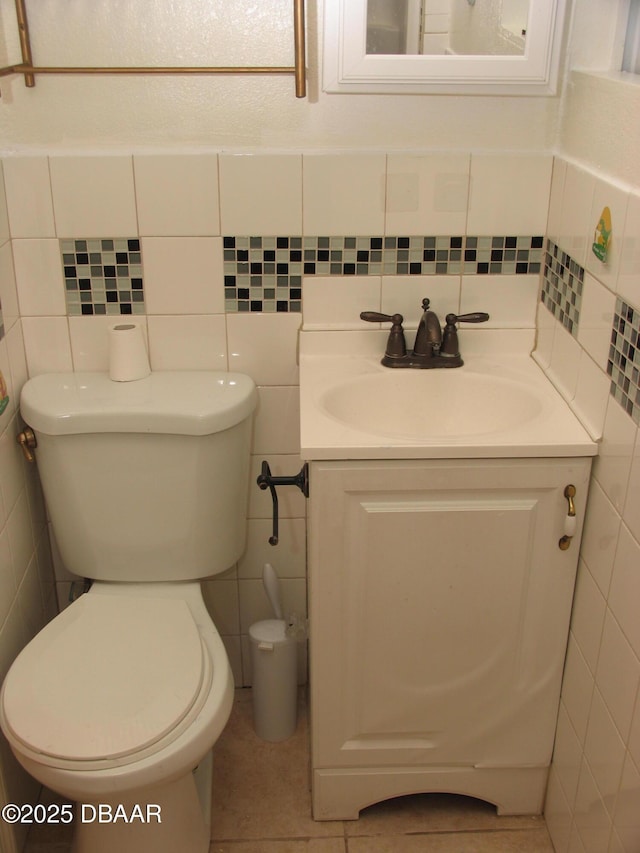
(128, 359)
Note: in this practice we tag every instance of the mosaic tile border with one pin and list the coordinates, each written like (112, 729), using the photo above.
(624, 359)
(562, 283)
(265, 273)
(103, 276)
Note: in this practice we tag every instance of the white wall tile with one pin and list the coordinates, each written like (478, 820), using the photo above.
(600, 537)
(183, 275)
(8, 291)
(545, 333)
(591, 817)
(596, 319)
(12, 480)
(20, 537)
(588, 615)
(510, 300)
(177, 195)
(565, 362)
(627, 817)
(628, 284)
(277, 422)
(555, 199)
(575, 220)
(288, 558)
(261, 195)
(187, 342)
(509, 194)
(4, 213)
(625, 588)
(612, 464)
(8, 587)
(17, 360)
(427, 194)
(557, 814)
(221, 597)
(592, 396)
(264, 346)
(631, 513)
(604, 751)
(47, 345)
(29, 197)
(343, 194)
(39, 280)
(634, 737)
(618, 675)
(5, 369)
(567, 756)
(89, 338)
(336, 303)
(577, 689)
(403, 294)
(93, 196)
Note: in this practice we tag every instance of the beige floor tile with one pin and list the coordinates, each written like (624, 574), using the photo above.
(508, 841)
(434, 813)
(261, 789)
(309, 845)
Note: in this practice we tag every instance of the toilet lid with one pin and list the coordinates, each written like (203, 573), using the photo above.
(109, 676)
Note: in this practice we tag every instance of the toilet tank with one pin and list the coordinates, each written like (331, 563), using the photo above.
(145, 480)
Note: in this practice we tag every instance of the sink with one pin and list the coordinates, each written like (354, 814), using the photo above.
(499, 404)
(431, 404)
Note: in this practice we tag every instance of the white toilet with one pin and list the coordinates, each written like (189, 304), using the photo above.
(119, 699)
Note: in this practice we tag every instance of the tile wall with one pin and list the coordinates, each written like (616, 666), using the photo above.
(215, 256)
(186, 210)
(27, 594)
(588, 329)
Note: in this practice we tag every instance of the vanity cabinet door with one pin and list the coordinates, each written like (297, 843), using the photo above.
(439, 610)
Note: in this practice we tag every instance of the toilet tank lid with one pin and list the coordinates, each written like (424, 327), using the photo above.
(181, 402)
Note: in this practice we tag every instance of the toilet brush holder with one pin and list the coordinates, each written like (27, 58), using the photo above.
(274, 660)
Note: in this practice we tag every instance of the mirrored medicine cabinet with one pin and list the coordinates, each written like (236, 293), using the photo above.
(485, 47)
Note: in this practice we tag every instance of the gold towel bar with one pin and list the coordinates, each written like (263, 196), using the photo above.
(30, 70)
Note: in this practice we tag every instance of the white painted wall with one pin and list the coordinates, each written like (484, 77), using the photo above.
(225, 112)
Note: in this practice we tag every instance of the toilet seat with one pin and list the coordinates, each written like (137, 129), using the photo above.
(108, 681)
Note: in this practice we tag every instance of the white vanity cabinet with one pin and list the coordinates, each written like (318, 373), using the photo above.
(439, 615)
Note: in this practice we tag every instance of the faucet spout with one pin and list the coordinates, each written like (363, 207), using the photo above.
(429, 334)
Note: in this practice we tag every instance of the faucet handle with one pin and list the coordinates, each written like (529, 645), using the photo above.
(450, 336)
(377, 317)
(396, 345)
(475, 317)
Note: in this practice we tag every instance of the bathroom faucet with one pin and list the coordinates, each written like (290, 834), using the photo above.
(433, 347)
(429, 335)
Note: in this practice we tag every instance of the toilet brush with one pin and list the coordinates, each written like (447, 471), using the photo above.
(272, 588)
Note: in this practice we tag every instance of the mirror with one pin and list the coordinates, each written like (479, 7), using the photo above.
(442, 27)
(442, 46)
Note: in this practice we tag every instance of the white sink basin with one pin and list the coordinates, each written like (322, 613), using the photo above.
(431, 404)
(498, 404)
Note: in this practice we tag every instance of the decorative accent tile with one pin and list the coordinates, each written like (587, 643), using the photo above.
(265, 273)
(103, 276)
(562, 284)
(624, 358)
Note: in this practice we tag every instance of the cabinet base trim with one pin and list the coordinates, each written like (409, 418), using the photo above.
(341, 794)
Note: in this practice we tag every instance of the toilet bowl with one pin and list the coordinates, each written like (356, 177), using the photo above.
(118, 701)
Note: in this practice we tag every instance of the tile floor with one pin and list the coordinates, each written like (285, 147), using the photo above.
(261, 804)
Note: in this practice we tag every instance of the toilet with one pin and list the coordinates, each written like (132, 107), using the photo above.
(118, 701)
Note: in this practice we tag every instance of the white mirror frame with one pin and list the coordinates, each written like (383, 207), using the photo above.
(348, 68)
